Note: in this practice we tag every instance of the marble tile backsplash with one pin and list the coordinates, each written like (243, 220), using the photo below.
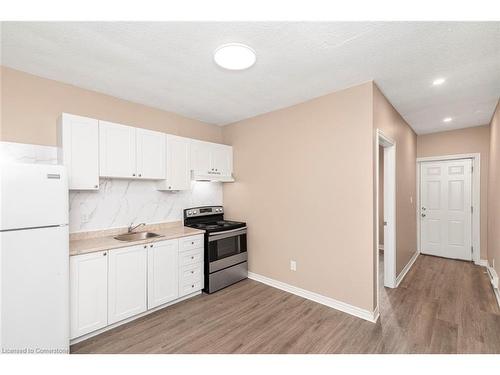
(118, 203)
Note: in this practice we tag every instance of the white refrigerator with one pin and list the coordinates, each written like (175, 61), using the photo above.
(34, 259)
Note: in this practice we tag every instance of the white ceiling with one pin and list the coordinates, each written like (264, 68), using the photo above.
(169, 65)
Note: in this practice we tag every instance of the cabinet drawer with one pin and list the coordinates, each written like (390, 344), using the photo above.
(189, 243)
(193, 271)
(191, 257)
(192, 287)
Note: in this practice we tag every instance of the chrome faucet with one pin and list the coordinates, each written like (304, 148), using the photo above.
(132, 228)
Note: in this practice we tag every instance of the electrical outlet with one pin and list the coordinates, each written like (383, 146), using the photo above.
(293, 265)
(84, 218)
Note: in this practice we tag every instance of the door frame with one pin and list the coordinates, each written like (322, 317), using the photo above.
(476, 199)
(389, 146)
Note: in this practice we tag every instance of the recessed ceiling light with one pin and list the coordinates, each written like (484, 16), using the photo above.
(234, 56)
(438, 81)
(447, 119)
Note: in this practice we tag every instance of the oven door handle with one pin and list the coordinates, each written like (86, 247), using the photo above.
(226, 234)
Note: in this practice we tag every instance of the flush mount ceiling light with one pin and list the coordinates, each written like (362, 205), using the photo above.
(447, 119)
(234, 56)
(438, 81)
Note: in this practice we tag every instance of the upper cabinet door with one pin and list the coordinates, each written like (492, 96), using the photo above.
(117, 148)
(200, 157)
(150, 154)
(78, 141)
(222, 160)
(178, 164)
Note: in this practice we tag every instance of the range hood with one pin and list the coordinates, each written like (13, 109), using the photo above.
(211, 177)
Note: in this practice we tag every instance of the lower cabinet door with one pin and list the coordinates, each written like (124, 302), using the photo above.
(127, 278)
(88, 293)
(163, 271)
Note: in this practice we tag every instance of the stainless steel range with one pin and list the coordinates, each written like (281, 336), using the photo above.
(225, 246)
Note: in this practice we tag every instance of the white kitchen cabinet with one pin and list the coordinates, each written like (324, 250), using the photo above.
(127, 282)
(222, 159)
(191, 251)
(128, 152)
(150, 154)
(117, 150)
(88, 293)
(211, 161)
(78, 150)
(200, 158)
(178, 164)
(163, 271)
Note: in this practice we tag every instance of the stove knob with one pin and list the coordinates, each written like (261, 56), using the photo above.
(189, 212)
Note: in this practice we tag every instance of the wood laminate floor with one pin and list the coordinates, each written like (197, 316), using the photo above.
(442, 306)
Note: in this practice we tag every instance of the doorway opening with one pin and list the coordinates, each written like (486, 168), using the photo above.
(385, 219)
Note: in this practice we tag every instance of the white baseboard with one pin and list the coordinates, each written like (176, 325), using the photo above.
(371, 316)
(405, 270)
(497, 294)
(492, 274)
(482, 262)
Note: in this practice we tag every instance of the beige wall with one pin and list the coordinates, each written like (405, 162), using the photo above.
(463, 141)
(304, 186)
(30, 106)
(493, 192)
(387, 119)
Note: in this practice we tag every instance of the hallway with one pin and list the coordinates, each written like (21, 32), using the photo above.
(443, 306)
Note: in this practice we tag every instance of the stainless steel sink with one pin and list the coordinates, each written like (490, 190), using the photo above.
(136, 236)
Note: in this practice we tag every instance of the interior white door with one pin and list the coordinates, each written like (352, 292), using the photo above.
(446, 209)
(88, 292)
(150, 154)
(117, 151)
(163, 270)
(127, 278)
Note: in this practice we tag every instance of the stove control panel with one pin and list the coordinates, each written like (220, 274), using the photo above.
(203, 211)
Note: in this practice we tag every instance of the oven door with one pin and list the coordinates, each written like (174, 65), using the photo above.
(227, 248)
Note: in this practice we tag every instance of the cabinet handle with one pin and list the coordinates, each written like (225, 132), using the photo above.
(96, 186)
(133, 174)
(104, 254)
(192, 257)
(192, 243)
(192, 286)
(192, 271)
(140, 175)
(150, 245)
(145, 246)
(170, 187)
